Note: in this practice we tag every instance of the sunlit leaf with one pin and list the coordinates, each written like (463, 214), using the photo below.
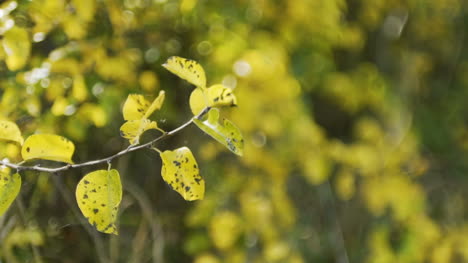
(227, 134)
(136, 107)
(98, 195)
(221, 95)
(9, 188)
(187, 69)
(180, 171)
(48, 147)
(156, 105)
(17, 46)
(132, 130)
(9, 131)
(215, 96)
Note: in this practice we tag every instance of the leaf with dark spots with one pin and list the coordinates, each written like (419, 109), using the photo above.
(105, 192)
(180, 170)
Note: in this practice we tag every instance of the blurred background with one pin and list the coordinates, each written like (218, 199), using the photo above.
(354, 114)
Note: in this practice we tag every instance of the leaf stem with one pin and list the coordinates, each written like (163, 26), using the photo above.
(20, 167)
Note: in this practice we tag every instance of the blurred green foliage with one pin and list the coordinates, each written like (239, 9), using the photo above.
(354, 115)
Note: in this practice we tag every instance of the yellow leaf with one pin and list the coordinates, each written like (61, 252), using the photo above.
(215, 96)
(85, 9)
(17, 47)
(198, 101)
(180, 171)
(98, 195)
(9, 188)
(9, 131)
(221, 95)
(148, 81)
(156, 105)
(187, 69)
(59, 106)
(132, 130)
(187, 5)
(74, 27)
(48, 147)
(227, 134)
(136, 107)
(225, 229)
(93, 113)
(79, 91)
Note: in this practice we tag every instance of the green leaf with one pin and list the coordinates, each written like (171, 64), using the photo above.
(180, 171)
(132, 130)
(48, 147)
(187, 69)
(215, 96)
(9, 188)
(17, 46)
(227, 134)
(136, 107)
(98, 195)
(9, 131)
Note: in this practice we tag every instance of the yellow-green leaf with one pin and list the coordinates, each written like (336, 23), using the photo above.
(98, 195)
(48, 147)
(9, 188)
(132, 130)
(9, 131)
(180, 171)
(136, 107)
(227, 134)
(17, 46)
(215, 96)
(187, 69)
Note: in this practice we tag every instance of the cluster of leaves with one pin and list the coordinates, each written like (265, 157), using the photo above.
(99, 193)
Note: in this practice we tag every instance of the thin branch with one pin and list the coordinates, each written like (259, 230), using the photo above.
(131, 148)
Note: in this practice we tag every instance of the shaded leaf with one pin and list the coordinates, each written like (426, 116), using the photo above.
(98, 195)
(9, 188)
(9, 131)
(215, 96)
(180, 171)
(132, 130)
(187, 69)
(48, 147)
(227, 134)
